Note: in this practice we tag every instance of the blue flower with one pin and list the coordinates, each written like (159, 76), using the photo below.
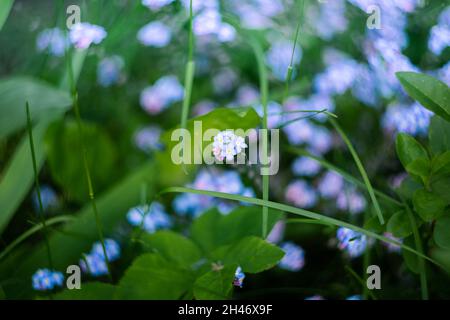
(166, 91)
(351, 201)
(48, 197)
(354, 243)
(53, 41)
(412, 119)
(148, 139)
(301, 194)
(355, 297)
(330, 185)
(307, 167)
(294, 258)
(112, 249)
(94, 265)
(278, 58)
(45, 279)
(155, 34)
(155, 5)
(83, 34)
(239, 277)
(328, 20)
(151, 218)
(315, 297)
(109, 71)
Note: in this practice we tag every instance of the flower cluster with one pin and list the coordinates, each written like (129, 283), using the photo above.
(45, 280)
(440, 33)
(227, 145)
(94, 262)
(83, 34)
(278, 58)
(239, 277)
(354, 243)
(155, 5)
(53, 41)
(330, 185)
(294, 258)
(155, 34)
(412, 119)
(351, 201)
(150, 218)
(211, 180)
(301, 194)
(161, 95)
(307, 167)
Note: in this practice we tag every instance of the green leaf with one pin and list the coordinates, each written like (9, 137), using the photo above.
(42, 98)
(439, 135)
(373, 224)
(154, 278)
(442, 232)
(253, 254)
(399, 225)
(440, 186)
(18, 176)
(5, 8)
(408, 187)
(65, 157)
(408, 149)
(428, 205)
(213, 229)
(215, 284)
(420, 169)
(433, 94)
(440, 164)
(173, 247)
(89, 291)
(412, 261)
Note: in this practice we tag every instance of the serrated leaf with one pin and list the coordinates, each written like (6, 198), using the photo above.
(215, 284)
(151, 277)
(173, 247)
(432, 93)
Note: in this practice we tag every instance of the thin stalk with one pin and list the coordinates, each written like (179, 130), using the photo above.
(344, 174)
(32, 231)
(264, 88)
(419, 248)
(309, 221)
(89, 182)
(361, 169)
(300, 212)
(361, 281)
(38, 189)
(291, 64)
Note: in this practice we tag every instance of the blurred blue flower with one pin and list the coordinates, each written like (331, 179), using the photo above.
(148, 138)
(352, 242)
(444, 73)
(155, 34)
(83, 34)
(315, 297)
(301, 194)
(94, 265)
(440, 33)
(151, 218)
(294, 258)
(155, 5)
(109, 71)
(239, 277)
(355, 297)
(277, 232)
(351, 201)
(166, 91)
(45, 279)
(112, 249)
(390, 246)
(278, 58)
(53, 41)
(330, 185)
(49, 199)
(328, 19)
(412, 119)
(304, 166)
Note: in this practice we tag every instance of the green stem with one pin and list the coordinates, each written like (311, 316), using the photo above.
(264, 88)
(419, 248)
(361, 170)
(89, 182)
(300, 212)
(38, 189)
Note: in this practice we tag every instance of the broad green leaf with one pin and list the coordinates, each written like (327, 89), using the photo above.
(253, 254)
(433, 94)
(428, 205)
(442, 232)
(399, 225)
(440, 164)
(151, 277)
(213, 229)
(439, 135)
(408, 149)
(440, 186)
(373, 224)
(42, 98)
(412, 261)
(18, 176)
(173, 247)
(408, 187)
(89, 291)
(215, 284)
(442, 256)
(65, 157)
(77, 237)
(420, 169)
(5, 8)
